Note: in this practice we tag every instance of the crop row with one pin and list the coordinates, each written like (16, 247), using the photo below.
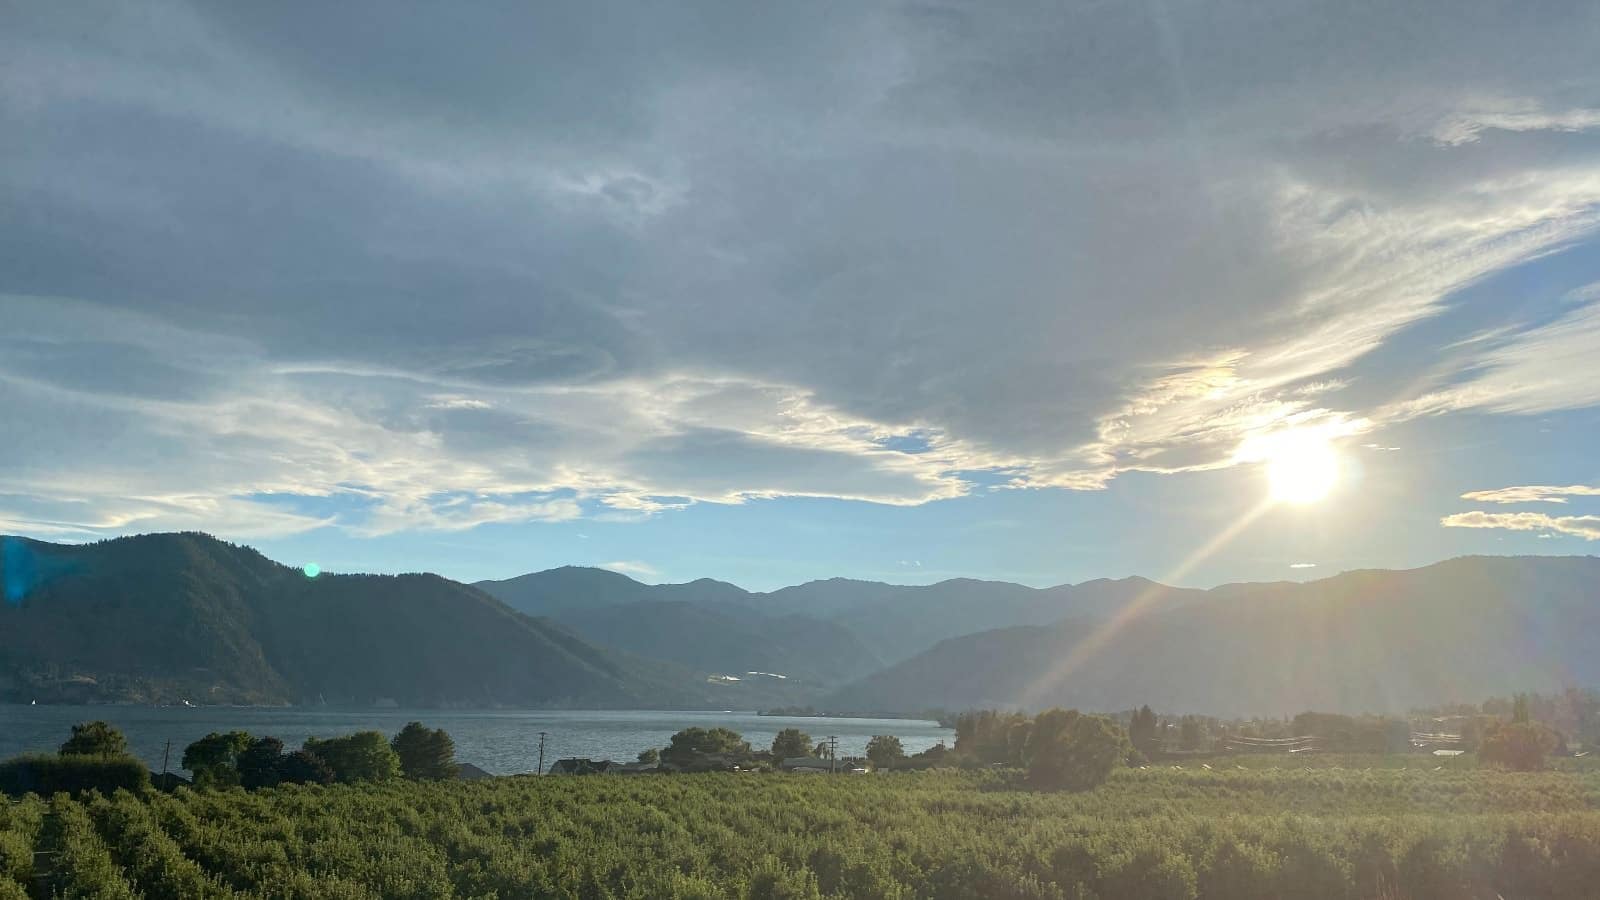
(1155, 833)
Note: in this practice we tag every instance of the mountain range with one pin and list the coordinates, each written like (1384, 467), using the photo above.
(171, 617)
(1372, 641)
(823, 630)
(159, 618)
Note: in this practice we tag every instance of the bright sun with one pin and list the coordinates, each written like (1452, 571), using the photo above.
(1302, 468)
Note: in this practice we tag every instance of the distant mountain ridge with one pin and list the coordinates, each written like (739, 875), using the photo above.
(838, 623)
(1371, 640)
(169, 617)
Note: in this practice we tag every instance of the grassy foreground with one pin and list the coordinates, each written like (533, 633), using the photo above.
(1158, 833)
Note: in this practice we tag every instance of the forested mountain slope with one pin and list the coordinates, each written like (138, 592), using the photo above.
(167, 617)
(1361, 641)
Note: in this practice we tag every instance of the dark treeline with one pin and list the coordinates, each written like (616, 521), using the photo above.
(1518, 732)
(238, 758)
(95, 758)
(1056, 749)
(1573, 715)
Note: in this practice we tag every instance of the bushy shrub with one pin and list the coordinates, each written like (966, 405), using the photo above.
(304, 767)
(1067, 749)
(1239, 870)
(1520, 746)
(44, 775)
(16, 856)
(363, 756)
(790, 742)
(691, 742)
(214, 758)
(95, 739)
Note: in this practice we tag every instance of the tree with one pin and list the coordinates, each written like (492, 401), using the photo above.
(1142, 731)
(426, 754)
(698, 741)
(1017, 742)
(1189, 734)
(985, 734)
(95, 739)
(260, 764)
(363, 756)
(1520, 746)
(884, 750)
(1073, 751)
(213, 758)
(936, 756)
(790, 742)
(1519, 710)
(650, 755)
(304, 767)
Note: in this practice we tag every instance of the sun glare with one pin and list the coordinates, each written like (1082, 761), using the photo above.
(1302, 469)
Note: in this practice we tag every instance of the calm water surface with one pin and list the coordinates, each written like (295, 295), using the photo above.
(501, 741)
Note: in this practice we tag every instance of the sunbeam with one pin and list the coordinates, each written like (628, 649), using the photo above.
(1085, 649)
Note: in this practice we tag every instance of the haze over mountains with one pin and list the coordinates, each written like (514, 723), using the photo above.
(159, 618)
(1362, 641)
(888, 622)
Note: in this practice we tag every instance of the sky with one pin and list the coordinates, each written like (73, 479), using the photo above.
(769, 293)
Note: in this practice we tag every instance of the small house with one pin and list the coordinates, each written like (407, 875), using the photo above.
(580, 765)
(806, 764)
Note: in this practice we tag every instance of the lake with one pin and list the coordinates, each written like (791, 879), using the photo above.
(503, 742)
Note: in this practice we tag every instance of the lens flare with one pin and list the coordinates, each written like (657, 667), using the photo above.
(312, 570)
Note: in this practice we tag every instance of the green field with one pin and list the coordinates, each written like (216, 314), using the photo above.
(1287, 832)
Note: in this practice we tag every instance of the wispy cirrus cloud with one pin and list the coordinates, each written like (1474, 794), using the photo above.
(1533, 493)
(1539, 369)
(1525, 114)
(1586, 527)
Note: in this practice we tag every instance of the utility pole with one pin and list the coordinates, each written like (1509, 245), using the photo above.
(833, 753)
(541, 751)
(165, 755)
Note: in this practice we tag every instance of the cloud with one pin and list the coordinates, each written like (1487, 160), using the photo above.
(632, 568)
(1530, 372)
(1587, 293)
(388, 450)
(448, 402)
(1467, 126)
(1534, 493)
(77, 519)
(607, 262)
(1302, 565)
(1586, 527)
